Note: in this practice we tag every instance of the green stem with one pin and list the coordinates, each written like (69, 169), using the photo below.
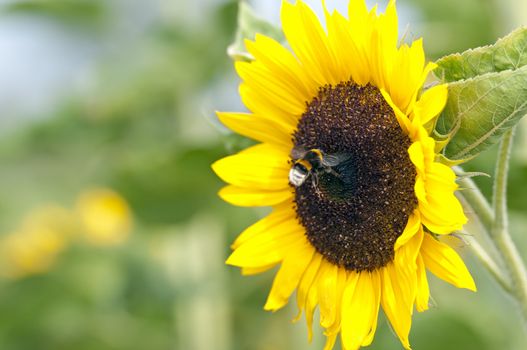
(489, 263)
(494, 223)
(500, 228)
(476, 199)
(481, 253)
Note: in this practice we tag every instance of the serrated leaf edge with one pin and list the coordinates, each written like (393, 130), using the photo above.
(475, 50)
(496, 127)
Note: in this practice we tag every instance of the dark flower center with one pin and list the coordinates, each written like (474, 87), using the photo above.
(354, 212)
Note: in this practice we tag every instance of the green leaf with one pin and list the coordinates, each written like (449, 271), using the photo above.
(248, 25)
(487, 94)
(480, 109)
(508, 53)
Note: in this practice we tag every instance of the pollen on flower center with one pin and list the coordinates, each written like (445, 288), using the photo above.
(355, 223)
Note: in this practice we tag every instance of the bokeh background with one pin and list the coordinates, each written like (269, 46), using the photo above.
(111, 233)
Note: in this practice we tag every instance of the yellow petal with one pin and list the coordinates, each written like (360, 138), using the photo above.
(330, 341)
(402, 119)
(416, 60)
(352, 62)
(420, 189)
(405, 268)
(257, 128)
(327, 293)
(442, 211)
(282, 63)
(442, 214)
(434, 221)
(429, 67)
(311, 304)
(246, 197)
(431, 103)
(446, 264)
(441, 175)
(390, 25)
(377, 64)
(406, 255)
(263, 166)
(269, 248)
(273, 87)
(357, 13)
(406, 75)
(261, 105)
(278, 216)
(342, 277)
(288, 277)
(415, 151)
(398, 314)
(308, 41)
(249, 271)
(358, 310)
(376, 283)
(361, 25)
(423, 291)
(306, 282)
(413, 225)
(384, 46)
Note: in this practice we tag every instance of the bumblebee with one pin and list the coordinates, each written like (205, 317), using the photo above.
(316, 164)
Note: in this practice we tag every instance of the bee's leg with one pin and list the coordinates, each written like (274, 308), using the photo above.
(314, 181)
(335, 173)
(332, 172)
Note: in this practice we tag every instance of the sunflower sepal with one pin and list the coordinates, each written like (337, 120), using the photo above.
(441, 139)
(440, 142)
(441, 158)
(431, 125)
(460, 174)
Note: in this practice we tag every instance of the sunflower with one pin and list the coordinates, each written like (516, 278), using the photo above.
(346, 161)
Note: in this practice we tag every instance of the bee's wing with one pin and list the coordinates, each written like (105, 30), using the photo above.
(298, 152)
(335, 159)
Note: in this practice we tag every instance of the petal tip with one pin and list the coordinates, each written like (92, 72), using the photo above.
(272, 305)
(231, 260)
(471, 285)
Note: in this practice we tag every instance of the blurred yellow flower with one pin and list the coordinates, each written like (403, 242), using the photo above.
(101, 216)
(33, 248)
(52, 217)
(105, 217)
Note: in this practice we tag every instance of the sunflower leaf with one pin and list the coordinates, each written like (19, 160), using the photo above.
(248, 25)
(508, 53)
(482, 109)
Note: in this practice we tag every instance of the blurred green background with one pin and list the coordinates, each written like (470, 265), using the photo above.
(119, 96)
